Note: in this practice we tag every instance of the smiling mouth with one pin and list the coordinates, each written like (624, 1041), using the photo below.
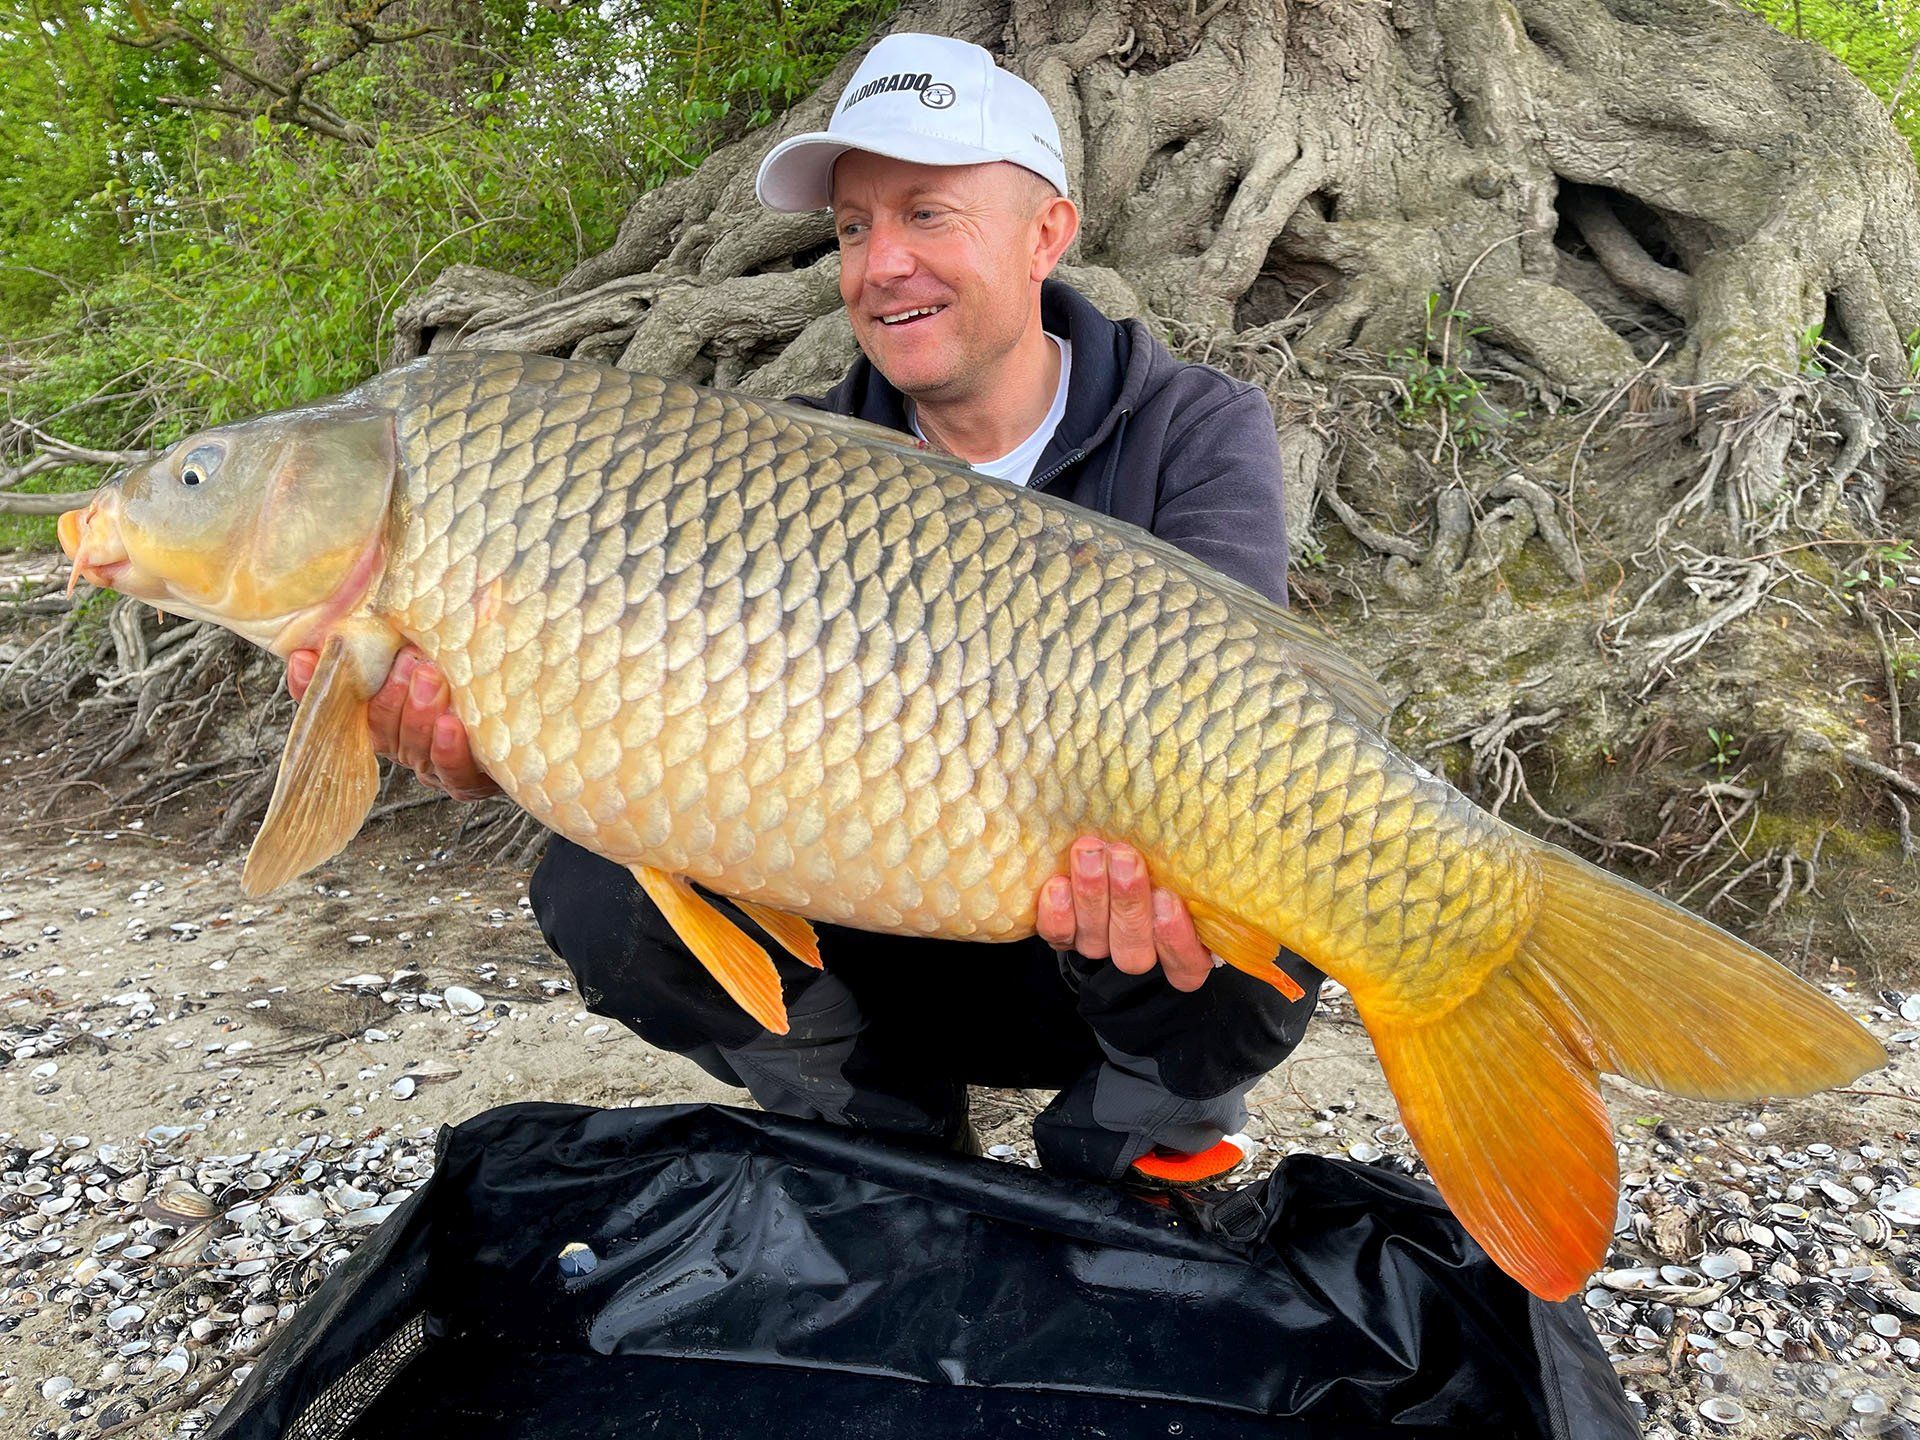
(909, 317)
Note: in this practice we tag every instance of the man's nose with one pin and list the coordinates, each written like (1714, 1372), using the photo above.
(889, 252)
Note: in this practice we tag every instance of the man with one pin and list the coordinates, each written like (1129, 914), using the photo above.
(949, 192)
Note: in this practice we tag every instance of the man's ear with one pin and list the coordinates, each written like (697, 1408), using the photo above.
(1055, 225)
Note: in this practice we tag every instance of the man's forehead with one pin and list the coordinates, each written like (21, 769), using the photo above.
(868, 177)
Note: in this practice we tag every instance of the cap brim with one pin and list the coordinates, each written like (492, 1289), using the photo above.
(797, 174)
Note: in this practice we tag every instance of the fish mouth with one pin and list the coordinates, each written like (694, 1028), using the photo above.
(91, 539)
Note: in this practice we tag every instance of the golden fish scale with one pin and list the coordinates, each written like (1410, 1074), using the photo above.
(692, 632)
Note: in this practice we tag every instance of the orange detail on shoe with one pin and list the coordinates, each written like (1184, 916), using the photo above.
(1175, 1167)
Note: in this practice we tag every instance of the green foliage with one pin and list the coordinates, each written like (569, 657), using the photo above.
(1436, 385)
(164, 267)
(1884, 568)
(1725, 752)
(1811, 339)
(1875, 39)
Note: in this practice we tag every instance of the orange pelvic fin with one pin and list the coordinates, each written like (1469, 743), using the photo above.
(744, 970)
(328, 775)
(794, 932)
(1500, 1091)
(1243, 946)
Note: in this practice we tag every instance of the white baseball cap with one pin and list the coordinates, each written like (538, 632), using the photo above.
(923, 98)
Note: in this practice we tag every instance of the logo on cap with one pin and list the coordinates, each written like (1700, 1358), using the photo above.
(888, 83)
(938, 97)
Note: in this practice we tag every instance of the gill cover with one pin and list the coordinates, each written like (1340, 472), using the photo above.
(250, 524)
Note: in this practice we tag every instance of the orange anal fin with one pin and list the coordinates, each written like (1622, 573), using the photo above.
(744, 970)
(328, 776)
(1507, 1115)
(1243, 946)
(794, 932)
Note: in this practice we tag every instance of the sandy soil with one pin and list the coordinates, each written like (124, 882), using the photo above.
(141, 990)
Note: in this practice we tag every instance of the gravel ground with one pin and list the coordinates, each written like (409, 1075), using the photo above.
(205, 1103)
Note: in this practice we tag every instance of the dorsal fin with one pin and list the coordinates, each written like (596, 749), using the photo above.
(1311, 647)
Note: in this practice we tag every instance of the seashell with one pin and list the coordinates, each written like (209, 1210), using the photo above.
(1886, 1325)
(1599, 1298)
(257, 1315)
(1902, 1207)
(404, 1087)
(1632, 1278)
(174, 1363)
(180, 1205)
(361, 982)
(1740, 1339)
(1718, 1321)
(1726, 1264)
(429, 1071)
(1839, 1194)
(1722, 1411)
(297, 1206)
(1365, 1153)
(55, 1386)
(462, 1001)
(125, 1317)
(133, 1189)
(351, 1197)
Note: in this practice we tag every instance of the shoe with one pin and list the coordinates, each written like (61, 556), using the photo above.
(1164, 1169)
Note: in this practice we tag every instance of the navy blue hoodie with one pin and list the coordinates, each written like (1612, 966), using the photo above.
(1175, 448)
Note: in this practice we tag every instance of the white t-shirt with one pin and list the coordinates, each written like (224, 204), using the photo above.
(1017, 464)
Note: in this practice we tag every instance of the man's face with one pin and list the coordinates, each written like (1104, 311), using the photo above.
(967, 243)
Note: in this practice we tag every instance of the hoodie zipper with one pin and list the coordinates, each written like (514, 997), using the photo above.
(1074, 457)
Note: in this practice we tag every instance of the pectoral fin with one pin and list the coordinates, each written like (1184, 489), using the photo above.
(1242, 946)
(328, 776)
(793, 932)
(744, 970)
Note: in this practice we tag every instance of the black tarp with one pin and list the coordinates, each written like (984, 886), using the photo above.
(760, 1277)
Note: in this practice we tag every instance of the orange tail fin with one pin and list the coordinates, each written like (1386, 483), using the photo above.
(1499, 1093)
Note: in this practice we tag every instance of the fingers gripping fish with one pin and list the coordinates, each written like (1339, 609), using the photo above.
(789, 657)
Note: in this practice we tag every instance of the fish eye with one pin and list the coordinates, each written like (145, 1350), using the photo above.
(199, 465)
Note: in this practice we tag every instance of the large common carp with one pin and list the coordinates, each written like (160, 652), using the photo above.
(797, 660)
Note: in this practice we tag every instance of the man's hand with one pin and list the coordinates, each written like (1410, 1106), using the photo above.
(412, 721)
(1106, 907)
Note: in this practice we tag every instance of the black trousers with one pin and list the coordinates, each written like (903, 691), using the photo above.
(890, 1034)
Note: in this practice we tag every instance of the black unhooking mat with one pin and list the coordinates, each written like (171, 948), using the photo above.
(756, 1276)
